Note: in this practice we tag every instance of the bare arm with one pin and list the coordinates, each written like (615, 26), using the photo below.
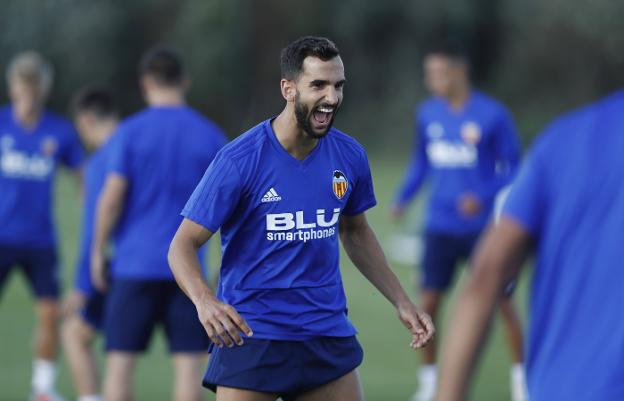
(499, 257)
(221, 321)
(184, 262)
(109, 208)
(364, 250)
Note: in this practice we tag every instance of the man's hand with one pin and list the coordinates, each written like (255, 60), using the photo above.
(73, 303)
(221, 322)
(417, 322)
(469, 205)
(98, 271)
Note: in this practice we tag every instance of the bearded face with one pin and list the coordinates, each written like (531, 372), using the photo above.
(314, 121)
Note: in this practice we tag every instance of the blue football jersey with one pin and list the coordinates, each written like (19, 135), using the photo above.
(28, 162)
(93, 182)
(162, 152)
(279, 229)
(569, 195)
(473, 150)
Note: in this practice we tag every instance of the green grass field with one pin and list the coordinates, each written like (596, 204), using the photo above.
(389, 369)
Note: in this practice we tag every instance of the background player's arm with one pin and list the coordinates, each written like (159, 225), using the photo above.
(109, 208)
(499, 256)
(506, 151)
(416, 173)
(364, 250)
(221, 321)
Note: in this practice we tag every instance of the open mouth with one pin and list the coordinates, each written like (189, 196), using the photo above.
(322, 115)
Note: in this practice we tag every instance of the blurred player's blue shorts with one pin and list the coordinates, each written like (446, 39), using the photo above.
(135, 307)
(443, 253)
(286, 368)
(39, 266)
(93, 310)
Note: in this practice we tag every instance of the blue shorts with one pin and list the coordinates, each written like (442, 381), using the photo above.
(135, 307)
(286, 368)
(93, 310)
(39, 265)
(443, 253)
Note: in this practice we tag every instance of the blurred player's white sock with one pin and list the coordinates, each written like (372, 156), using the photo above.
(93, 397)
(44, 376)
(518, 383)
(427, 378)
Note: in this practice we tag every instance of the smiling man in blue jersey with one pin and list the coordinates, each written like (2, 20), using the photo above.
(96, 117)
(282, 194)
(467, 147)
(33, 143)
(155, 160)
(567, 207)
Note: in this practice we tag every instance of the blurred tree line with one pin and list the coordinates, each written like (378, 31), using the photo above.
(539, 56)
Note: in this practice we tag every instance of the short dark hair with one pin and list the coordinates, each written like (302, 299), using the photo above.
(448, 48)
(292, 56)
(163, 64)
(96, 100)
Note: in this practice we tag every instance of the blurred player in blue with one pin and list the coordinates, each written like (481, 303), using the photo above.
(33, 143)
(282, 193)
(467, 147)
(96, 117)
(155, 160)
(567, 208)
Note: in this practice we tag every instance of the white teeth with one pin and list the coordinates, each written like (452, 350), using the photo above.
(325, 109)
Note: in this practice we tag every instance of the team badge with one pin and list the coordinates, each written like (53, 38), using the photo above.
(471, 133)
(48, 146)
(435, 130)
(339, 184)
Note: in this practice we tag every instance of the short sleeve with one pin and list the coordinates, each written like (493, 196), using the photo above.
(216, 195)
(526, 199)
(362, 196)
(72, 153)
(118, 157)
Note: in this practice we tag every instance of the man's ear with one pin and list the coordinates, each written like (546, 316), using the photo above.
(288, 89)
(146, 82)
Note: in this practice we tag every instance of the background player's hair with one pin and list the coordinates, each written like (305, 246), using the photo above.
(449, 48)
(292, 56)
(163, 64)
(98, 101)
(32, 68)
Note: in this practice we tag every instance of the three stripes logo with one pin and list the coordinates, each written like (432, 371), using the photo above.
(339, 184)
(271, 196)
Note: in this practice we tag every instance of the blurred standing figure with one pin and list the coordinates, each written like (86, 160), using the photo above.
(567, 207)
(96, 117)
(467, 146)
(155, 160)
(33, 142)
(282, 194)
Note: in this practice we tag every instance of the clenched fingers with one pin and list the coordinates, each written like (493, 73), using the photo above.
(422, 330)
(224, 326)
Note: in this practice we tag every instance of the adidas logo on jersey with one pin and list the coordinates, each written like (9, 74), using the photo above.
(271, 196)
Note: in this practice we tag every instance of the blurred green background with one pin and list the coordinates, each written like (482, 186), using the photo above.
(540, 57)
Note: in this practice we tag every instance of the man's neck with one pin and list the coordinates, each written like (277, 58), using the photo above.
(28, 121)
(459, 97)
(165, 97)
(292, 138)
